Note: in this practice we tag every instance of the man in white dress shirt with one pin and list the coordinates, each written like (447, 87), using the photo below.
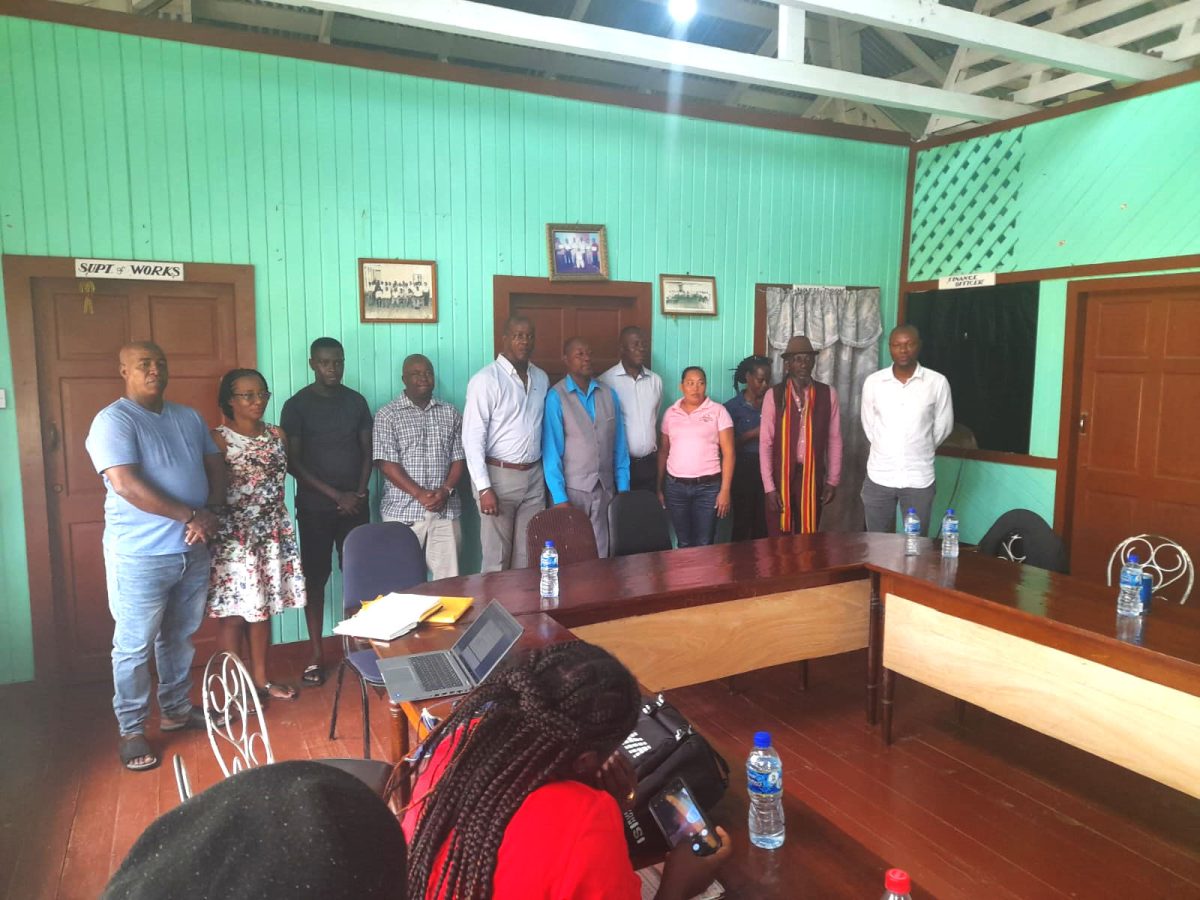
(640, 393)
(906, 414)
(502, 440)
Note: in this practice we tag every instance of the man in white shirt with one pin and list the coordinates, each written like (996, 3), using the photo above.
(906, 414)
(640, 393)
(502, 440)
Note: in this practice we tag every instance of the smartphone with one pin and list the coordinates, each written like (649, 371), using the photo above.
(681, 820)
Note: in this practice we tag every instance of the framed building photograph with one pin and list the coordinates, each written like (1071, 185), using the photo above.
(688, 295)
(577, 252)
(398, 290)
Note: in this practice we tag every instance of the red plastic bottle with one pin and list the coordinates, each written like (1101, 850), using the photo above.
(897, 885)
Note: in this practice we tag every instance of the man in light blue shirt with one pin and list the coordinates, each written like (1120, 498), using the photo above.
(584, 454)
(162, 473)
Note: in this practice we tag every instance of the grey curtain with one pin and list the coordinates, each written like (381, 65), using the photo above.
(844, 325)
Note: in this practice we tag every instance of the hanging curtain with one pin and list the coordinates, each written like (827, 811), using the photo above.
(844, 325)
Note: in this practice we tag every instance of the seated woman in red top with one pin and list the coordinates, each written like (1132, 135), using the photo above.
(523, 808)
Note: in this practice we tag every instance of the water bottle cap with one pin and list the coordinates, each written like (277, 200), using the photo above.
(1132, 560)
(897, 881)
(913, 510)
(950, 512)
(762, 740)
(550, 544)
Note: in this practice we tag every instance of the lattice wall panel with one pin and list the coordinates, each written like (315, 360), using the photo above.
(965, 207)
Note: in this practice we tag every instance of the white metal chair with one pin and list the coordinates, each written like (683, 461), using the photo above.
(1162, 558)
(237, 729)
(233, 716)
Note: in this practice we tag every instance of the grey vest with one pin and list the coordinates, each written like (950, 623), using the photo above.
(587, 445)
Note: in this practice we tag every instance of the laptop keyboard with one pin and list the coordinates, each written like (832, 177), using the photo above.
(436, 673)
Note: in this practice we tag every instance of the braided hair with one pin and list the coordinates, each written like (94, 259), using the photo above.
(519, 730)
(746, 366)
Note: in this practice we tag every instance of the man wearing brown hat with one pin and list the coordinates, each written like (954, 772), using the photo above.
(799, 444)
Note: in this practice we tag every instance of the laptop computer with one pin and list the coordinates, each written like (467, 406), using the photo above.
(444, 673)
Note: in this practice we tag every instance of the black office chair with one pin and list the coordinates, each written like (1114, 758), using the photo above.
(378, 558)
(637, 523)
(1022, 536)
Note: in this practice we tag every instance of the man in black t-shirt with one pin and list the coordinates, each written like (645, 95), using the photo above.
(328, 427)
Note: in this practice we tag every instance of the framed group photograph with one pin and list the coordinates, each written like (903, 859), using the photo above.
(398, 290)
(577, 252)
(688, 295)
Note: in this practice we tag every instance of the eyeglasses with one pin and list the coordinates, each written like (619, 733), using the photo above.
(250, 396)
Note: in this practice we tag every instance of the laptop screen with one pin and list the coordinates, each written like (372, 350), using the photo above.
(484, 644)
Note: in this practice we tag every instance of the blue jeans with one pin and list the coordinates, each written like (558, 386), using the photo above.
(156, 602)
(693, 511)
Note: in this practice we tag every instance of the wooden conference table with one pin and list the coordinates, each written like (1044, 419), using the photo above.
(1036, 647)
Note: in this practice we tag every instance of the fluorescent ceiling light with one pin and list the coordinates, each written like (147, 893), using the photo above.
(682, 10)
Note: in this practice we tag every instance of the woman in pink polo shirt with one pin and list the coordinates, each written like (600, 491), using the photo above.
(695, 461)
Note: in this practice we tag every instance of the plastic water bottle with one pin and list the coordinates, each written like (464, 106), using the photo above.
(897, 885)
(764, 780)
(1129, 599)
(549, 567)
(912, 531)
(950, 535)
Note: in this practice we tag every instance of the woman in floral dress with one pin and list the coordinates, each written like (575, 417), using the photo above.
(256, 562)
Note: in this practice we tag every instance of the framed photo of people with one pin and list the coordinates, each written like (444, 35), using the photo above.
(577, 252)
(687, 295)
(398, 290)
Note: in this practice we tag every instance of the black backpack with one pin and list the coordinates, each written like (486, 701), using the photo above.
(664, 746)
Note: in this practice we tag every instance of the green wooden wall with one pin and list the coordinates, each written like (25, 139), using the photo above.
(116, 146)
(1121, 182)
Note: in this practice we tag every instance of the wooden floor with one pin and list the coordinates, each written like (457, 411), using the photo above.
(986, 809)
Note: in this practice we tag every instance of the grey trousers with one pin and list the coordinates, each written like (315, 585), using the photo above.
(879, 504)
(519, 496)
(595, 503)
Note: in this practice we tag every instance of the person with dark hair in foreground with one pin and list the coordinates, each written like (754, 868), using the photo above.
(518, 797)
(300, 830)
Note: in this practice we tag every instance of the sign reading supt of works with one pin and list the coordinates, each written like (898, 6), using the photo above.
(129, 269)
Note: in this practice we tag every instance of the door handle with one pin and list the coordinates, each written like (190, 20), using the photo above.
(51, 437)
(1083, 419)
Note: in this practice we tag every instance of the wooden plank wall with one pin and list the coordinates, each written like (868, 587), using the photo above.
(126, 147)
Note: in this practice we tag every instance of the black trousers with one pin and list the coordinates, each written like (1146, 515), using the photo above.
(321, 532)
(643, 473)
(749, 502)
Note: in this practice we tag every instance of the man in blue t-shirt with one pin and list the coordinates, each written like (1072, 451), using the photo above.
(163, 477)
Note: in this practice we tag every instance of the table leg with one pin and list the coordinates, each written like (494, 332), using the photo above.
(889, 690)
(874, 650)
(399, 731)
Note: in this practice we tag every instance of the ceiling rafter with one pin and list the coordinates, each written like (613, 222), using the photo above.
(473, 19)
(1009, 39)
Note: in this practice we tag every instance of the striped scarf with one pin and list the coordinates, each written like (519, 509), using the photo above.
(788, 432)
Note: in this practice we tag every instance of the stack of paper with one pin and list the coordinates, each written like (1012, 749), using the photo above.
(388, 617)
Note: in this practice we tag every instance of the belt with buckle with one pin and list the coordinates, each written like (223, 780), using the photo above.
(501, 464)
(703, 479)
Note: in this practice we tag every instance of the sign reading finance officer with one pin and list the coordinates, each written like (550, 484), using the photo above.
(128, 269)
(979, 279)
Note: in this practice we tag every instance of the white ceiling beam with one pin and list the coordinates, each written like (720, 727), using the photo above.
(1009, 39)
(791, 34)
(1090, 14)
(1135, 30)
(494, 23)
(326, 31)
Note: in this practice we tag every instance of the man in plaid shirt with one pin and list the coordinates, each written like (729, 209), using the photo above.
(418, 448)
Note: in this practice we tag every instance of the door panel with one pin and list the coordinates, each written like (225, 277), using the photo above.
(596, 319)
(77, 352)
(1137, 468)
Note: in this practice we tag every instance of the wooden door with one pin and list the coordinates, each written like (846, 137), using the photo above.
(1136, 468)
(78, 376)
(595, 312)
